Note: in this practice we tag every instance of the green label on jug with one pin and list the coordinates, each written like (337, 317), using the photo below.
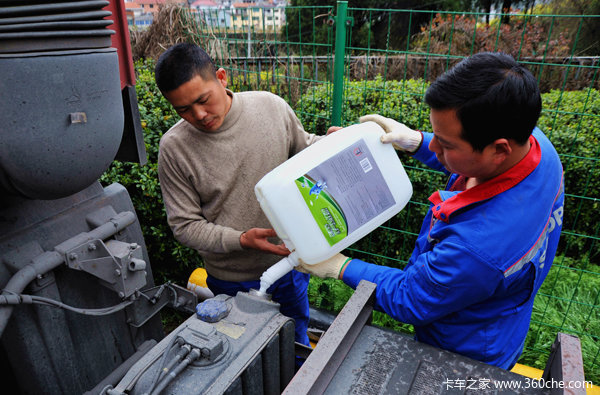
(345, 192)
(324, 209)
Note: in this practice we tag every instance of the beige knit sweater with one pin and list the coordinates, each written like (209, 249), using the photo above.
(207, 180)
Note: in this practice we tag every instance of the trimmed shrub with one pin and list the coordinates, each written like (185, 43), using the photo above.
(571, 119)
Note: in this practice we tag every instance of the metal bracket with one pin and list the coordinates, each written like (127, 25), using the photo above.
(118, 265)
(348, 21)
(319, 368)
(154, 299)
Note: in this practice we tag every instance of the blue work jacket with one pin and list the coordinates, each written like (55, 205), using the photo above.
(479, 259)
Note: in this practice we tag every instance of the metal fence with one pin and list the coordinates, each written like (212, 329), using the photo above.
(334, 64)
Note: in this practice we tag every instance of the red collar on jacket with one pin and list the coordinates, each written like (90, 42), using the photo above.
(443, 209)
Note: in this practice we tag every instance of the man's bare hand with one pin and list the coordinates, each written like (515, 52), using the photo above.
(256, 238)
(333, 129)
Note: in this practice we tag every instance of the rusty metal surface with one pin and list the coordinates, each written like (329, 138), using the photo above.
(386, 362)
(565, 366)
(320, 367)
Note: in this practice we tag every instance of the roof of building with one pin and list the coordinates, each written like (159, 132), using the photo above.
(257, 4)
(204, 3)
(130, 5)
(161, 2)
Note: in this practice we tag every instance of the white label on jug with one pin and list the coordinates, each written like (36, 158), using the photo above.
(345, 192)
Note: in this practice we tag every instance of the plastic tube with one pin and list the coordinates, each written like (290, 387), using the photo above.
(174, 340)
(191, 357)
(277, 271)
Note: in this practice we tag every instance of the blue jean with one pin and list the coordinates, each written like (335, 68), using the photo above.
(290, 292)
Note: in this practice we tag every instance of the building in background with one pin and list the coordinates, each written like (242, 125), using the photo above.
(152, 6)
(136, 17)
(241, 15)
(213, 14)
(259, 16)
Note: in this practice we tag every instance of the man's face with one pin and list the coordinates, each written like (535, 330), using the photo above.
(456, 154)
(203, 103)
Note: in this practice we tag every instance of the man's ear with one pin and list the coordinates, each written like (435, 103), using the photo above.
(502, 150)
(222, 76)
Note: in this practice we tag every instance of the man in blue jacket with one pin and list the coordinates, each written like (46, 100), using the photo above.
(489, 238)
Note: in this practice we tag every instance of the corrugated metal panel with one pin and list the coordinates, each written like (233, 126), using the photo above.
(43, 26)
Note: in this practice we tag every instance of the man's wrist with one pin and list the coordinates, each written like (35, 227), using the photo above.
(343, 268)
(236, 237)
(415, 141)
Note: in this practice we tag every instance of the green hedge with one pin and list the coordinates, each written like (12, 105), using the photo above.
(571, 119)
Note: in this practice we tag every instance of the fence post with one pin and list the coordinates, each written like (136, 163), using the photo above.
(341, 20)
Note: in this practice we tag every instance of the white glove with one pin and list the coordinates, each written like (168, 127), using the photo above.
(402, 137)
(332, 267)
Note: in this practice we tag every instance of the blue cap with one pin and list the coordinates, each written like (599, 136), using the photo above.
(212, 310)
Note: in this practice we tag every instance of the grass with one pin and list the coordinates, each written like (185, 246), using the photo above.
(568, 302)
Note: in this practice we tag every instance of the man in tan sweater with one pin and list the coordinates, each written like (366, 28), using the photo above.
(208, 165)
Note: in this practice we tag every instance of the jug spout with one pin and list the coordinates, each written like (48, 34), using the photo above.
(277, 271)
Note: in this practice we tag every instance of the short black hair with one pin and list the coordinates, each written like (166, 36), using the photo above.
(180, 63)
(494, 97)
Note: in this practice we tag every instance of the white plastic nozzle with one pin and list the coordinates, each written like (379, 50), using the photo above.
(277, 271)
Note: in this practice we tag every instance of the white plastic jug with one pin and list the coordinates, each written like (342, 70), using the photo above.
(331, 194)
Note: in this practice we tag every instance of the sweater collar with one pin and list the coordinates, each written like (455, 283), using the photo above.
(232, 115)
(445, 203)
